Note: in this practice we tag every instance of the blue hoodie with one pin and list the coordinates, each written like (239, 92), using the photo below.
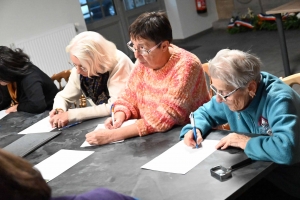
(275, 111)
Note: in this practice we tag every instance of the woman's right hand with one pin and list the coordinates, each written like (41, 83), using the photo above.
(119, 118)
(52, 113)
(58, 118)
(12, 109)
(189, 138)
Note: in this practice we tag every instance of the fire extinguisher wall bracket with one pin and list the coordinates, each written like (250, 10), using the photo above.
(201, 6)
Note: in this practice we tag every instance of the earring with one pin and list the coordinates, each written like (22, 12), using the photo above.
(252, 94)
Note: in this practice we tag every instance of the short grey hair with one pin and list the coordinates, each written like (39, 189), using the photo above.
(235, 67)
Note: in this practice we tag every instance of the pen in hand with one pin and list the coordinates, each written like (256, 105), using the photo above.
(112, 114)
(194, 127)
(68, 126)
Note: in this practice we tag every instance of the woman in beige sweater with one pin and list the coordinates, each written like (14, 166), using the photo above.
(100, 73)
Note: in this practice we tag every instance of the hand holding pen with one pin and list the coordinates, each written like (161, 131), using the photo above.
(115, 121)
(112, 114)
(194, 128)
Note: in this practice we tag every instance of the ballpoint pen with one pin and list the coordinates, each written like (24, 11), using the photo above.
(112, 114)
(68, 126)
(194, 127)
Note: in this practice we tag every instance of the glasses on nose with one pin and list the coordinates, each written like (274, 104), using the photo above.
(80, 67)
(225, 96)
(141, 50)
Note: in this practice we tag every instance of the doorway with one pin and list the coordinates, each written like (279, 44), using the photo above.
(111, 18)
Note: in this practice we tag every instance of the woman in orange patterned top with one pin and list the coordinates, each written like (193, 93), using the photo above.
(165, 86)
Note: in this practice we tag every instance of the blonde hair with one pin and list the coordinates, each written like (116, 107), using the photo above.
(94, 52)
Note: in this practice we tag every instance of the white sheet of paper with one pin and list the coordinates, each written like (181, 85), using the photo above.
(40, 126)
(60, 162)
(2, 114)
(181, 158)
(101, 126)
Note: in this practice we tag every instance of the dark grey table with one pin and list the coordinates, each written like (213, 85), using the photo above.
(13, 123)
(117, 166)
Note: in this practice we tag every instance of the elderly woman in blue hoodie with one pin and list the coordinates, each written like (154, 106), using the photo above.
(256, 102)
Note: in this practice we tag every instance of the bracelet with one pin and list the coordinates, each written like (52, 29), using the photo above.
(57, 110)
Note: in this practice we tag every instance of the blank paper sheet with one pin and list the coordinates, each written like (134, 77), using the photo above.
(181, 158)
(2, 114)
(40, 126)
(60, 162)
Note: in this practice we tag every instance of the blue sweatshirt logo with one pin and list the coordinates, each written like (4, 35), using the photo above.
(264, 126)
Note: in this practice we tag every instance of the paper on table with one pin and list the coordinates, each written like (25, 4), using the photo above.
(60, 162)
(2, 114)
(101, 126)
(40, 126)
(181, 158)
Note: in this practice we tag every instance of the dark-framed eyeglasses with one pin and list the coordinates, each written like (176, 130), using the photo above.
(224, 97)
(80, 67)
(142, 51)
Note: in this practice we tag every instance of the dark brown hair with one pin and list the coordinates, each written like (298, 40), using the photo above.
(20, 181)
(154, 26)
(13, 64)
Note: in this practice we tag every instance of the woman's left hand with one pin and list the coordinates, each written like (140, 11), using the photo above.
(12, 109)
(99, 137)
(234, 140)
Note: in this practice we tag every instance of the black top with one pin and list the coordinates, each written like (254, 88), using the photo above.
(5, 99)
(35, 92)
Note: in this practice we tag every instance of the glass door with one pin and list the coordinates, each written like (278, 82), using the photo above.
(111, 18)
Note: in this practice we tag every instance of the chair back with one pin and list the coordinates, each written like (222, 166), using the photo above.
(61, 75)
(205, 68)
(65, 75)
(292, 79)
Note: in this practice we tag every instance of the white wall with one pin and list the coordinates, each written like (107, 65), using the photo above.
(185, 20)
(22, 19)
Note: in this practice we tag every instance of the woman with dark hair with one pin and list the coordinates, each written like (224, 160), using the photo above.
(165, 86)
(29, 88)
(20, 181)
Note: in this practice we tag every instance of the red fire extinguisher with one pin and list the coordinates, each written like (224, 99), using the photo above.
(201, 6)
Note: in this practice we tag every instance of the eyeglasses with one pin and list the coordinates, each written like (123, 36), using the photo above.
(141, 50)
(80, 67)
(223, 97)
